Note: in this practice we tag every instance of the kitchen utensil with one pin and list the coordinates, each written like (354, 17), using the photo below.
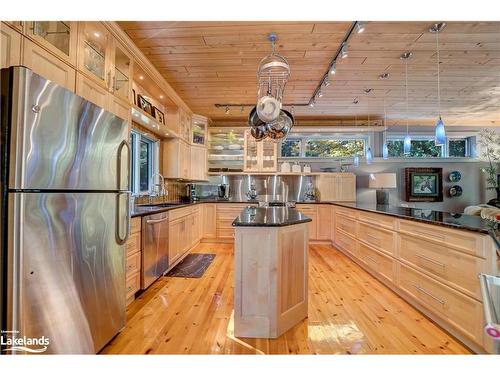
(280, 128)
(268, 109)
(307, 168)
(285, 167)
(296, 167)
(259, 132)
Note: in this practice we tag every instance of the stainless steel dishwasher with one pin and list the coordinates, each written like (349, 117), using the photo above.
(155, 247)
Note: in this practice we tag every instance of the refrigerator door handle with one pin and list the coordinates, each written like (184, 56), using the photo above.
(123, 144)
(119, 239)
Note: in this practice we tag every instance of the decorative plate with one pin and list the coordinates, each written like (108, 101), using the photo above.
(455, 176)
(455, 191)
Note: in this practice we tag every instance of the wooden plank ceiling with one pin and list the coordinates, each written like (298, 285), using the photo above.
(216, 62)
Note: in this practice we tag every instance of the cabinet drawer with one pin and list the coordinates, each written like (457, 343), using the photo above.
(384, 265)
(458, 269)
(225, 233)
(462, 240)
(345, 242)
(377, 220)
(381, 239)
(463, 313)
(133, 263)
(180, 212)
(133, 243)
(346, 224)
(346, 212)
(225, 223)
(229, 211)
(135, 225)
(133, 284)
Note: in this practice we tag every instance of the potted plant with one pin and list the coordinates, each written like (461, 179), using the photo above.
(489, 140)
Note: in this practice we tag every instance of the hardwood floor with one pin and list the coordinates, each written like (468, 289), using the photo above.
(350, 312)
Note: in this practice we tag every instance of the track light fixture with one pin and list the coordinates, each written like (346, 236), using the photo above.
(343, 52)
(360, 27)
(326, 82)
(384, 76)
(227, 110)
(320, 94)
(311, 103)
(333, 68)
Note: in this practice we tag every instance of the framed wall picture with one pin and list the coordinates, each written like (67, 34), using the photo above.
(144, 105)
(424, 184)
(159, 115)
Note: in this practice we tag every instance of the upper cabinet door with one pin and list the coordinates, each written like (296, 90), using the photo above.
(94, 53)
(59, 37)
(199, 130)
(121, 72)
(10, 47)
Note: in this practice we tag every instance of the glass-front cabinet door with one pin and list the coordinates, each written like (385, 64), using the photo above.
(199, 130)
(251, 156)
(269, 157)
(94, 52)
(122, 63)
(60, 37)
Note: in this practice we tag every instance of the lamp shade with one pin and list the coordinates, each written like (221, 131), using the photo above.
(382, 181)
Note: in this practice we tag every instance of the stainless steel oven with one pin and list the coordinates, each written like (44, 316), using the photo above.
(155, 247)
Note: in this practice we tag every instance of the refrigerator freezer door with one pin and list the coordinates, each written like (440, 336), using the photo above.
(61, 141)
(68, 274)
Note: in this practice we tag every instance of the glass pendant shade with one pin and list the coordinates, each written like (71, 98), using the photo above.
(407, 144)
(440, 133)
(385, 151)
(369, 156)
(356, 161)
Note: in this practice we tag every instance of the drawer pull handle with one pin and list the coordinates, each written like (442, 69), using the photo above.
(430, 260)
(422, 290)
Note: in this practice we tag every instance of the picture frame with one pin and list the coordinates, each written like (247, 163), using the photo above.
(159, 115)
(145, 105)
(424, 184)
(134, 96)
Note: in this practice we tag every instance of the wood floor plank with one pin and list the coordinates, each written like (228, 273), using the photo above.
(350, 312)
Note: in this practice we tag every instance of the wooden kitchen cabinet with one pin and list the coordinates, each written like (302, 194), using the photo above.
(259, 156)
(177, 239)
(199, 130)
(179, 121)
(310, 210)
(91, 91)
(176, 159)
(133, 265)
(336, 187)
(198, 163)
(58, 37)
(209, 220)
(324, 222)
(47, 65)
(10, 46)
(121, 72)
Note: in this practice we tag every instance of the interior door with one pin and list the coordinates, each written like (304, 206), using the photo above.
(69, 270)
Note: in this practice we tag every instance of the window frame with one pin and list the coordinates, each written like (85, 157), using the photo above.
(305, 138)
(400, 137)
(153, 163)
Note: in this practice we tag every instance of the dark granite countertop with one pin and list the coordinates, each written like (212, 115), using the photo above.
(269, 217)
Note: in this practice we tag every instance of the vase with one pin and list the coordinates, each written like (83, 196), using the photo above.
(495, 201)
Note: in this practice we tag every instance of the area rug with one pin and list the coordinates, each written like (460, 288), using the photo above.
(194, 265)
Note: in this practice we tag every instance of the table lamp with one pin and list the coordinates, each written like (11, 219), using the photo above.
(381, 182)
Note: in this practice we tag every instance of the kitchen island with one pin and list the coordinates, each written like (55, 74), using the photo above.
(271, 256)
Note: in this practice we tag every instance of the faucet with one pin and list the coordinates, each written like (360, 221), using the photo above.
(162, 192)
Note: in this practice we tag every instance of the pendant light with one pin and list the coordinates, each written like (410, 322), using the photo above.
(385, 149)
(439, 131)
(369, 156)
(407, 141)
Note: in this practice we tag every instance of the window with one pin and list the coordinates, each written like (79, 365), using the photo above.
(144, 162)
(290, 148)
(322, 147)
(457, 147)
(420, 148)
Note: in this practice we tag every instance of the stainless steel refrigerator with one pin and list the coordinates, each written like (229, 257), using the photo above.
(64, 210)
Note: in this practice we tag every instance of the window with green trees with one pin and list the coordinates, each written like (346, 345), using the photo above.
(457, 148)
(420, 148)
(332, 148)
(290, 148)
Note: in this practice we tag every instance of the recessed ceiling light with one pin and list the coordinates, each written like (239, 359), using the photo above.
(141, 77)
(161, 96)
(97, 35)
